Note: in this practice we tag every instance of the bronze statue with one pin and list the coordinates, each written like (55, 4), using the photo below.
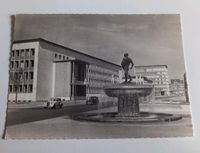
(126, 62)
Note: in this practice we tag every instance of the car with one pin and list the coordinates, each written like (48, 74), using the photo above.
(93, 100)
(53, 103)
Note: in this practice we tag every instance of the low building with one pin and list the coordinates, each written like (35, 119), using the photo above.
(40, 69)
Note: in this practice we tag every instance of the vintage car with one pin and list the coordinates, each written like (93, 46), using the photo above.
(53, 103)
(93, 100)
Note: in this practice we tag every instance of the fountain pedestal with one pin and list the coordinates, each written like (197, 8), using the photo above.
(128, 95)
(128, 105)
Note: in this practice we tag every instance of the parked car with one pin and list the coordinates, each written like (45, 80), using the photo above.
(53, 103)
(93, 100)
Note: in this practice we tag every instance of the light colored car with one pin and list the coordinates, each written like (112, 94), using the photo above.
(53, 103)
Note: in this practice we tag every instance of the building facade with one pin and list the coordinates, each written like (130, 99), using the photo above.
(159, 75)
(186, 88)
(177, 87)
(40, 69)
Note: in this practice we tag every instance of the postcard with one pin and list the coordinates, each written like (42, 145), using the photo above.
(97, 76)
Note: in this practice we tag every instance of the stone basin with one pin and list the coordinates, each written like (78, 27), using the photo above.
(128, 89)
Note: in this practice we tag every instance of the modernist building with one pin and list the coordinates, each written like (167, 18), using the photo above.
(40, 69)
(177, 87)
(159, 75)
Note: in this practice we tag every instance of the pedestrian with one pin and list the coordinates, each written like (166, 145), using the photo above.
(126, 63)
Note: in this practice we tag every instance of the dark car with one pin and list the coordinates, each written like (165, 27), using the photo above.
(92, 100)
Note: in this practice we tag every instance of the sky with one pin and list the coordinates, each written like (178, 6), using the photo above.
(149, 39)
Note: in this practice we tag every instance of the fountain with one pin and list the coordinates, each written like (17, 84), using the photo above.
(129, 95)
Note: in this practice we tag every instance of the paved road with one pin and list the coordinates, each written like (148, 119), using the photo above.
(65, 128)
(19, 116)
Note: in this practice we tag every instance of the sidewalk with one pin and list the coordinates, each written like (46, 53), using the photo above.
(153, 108)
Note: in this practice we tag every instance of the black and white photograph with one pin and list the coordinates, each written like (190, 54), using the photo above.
(97, 76)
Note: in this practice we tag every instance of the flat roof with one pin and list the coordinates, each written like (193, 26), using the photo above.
(61, 46)
(151, 66)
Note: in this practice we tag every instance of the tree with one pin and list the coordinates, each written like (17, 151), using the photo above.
(16, 78)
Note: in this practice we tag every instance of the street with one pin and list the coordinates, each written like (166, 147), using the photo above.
(39, 123)
(25, 115)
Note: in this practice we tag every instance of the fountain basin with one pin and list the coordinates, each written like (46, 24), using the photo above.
(128, 95)
(128, 89)
(113, 117)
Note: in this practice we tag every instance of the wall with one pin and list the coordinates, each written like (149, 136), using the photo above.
(45, 74)
(62, 77)
(27, 96)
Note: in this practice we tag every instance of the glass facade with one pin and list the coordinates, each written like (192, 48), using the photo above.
(99, 77)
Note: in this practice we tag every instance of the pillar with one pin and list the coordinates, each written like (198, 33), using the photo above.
(128, 105)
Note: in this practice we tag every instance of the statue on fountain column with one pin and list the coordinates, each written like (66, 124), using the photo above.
(126, 64)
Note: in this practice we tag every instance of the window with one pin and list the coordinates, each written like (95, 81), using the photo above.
(27, 52)
(63, 57)
(17, 51)
(13, 53)
(20, 88)
(31, 75)
(32, 63)
(26, 75)
(32, 51)
(59, 56)
(56, 55)
(30, 88)
(22, 53)
(16, 64)
(16, 76)
(22, 64)
(12, 64)
(25, 88)
(10, 88)
(26, 63)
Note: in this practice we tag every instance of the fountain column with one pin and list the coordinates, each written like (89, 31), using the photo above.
(128, 105)
(128, 95)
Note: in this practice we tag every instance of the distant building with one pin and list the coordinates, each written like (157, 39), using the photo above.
(177, 87)
(49, 70)
(159, 75)
(186, 88)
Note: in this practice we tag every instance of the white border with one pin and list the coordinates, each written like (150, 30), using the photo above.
(190, 14)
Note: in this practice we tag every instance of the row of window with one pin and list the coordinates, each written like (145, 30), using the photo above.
(102, 69)
(93, 80)
(23, 52)
(60, 57)
(16, 76)
(153, 74)
(101, 78)
(21, 88)
(98, 73)
(22, 64)
(153, 69)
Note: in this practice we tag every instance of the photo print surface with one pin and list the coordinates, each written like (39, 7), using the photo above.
(86, 76)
